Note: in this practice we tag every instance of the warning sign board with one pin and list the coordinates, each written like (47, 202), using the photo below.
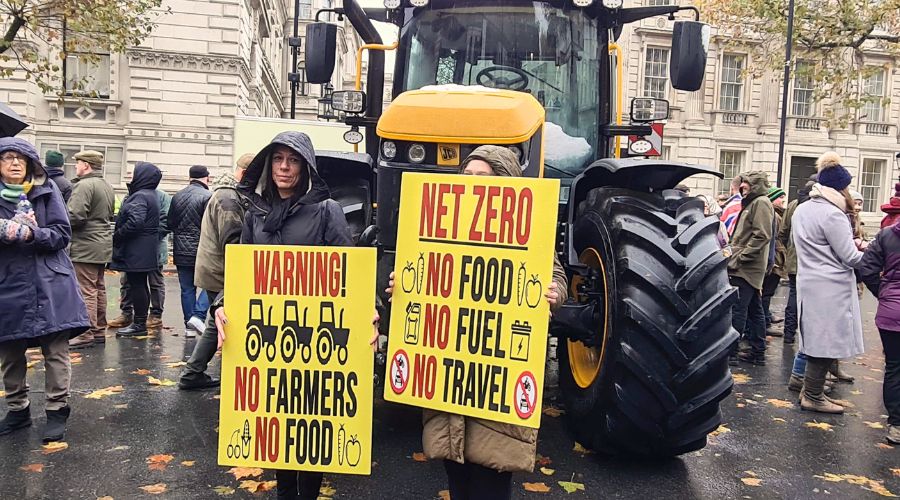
(649, 145)
(469, 318)
(296, 365)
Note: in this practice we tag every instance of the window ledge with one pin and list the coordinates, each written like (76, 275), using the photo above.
(86, 109)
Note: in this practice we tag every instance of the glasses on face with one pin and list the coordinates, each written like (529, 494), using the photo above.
(11, 157)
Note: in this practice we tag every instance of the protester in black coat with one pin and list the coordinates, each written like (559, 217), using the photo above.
(185, 217)
(135, 241)
(53, 165)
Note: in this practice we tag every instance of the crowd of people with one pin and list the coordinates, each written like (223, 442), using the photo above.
(818, 246)
(58, 237)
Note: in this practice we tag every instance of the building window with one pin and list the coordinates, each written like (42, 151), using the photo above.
(873, 88)
(113, 159)
(732, 86)
(659, 2)
(87, 75)
(730, 164)
(803, 103)
(870, 183)
(656, 70)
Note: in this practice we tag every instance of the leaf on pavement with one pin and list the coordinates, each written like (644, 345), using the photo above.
(856, 392)
(33, 468)
(75, 358)
(109, 369)
(224, 491)
(552, 412)
(326, 490)
(419, 457)
(884, 446)
(720, 430)
(895, 472)
(257, 486)
(536, 487)
(444, 495)
(778, 419)
(121, 406)
(119, 448)
(581, 449)
(141, 371)
(54, 447)
(861, 481)
(542, 460)
(242, 472)
(741, 378)
(751, 481)
(780, 403)
(570, 486)
(163, 382)
(155, 489)
(108, 391)
(176, 365)
(547, 472)
(820, 425)
(158, 462)
(188, 463)
(874, 425)
(105, 498)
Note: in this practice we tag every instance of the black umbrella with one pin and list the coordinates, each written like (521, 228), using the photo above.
(10, 121)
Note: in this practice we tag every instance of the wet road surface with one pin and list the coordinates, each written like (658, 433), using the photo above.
(766, 448)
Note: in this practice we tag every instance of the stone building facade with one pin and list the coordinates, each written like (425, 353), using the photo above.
(732, 123)
(172, 100)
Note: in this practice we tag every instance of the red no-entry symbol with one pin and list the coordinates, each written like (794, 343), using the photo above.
(526, 395)
(399, 371)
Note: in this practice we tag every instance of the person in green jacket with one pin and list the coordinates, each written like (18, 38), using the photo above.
(748, 264)
(91, 208)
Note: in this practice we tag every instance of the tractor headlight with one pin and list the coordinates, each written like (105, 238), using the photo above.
(417, 153)
(389, 150)
(418, 3)
(349, 101)
(353, 136)
(612, 4)
(391, 4)
(585, 3)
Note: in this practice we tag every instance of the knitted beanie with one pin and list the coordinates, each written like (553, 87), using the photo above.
(54, 159)
(774, 193)
(831, 173)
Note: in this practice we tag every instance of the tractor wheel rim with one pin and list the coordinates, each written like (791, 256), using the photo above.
(585, 362)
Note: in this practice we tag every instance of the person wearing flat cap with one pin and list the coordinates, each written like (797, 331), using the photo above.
(91, 210)
(185, 218)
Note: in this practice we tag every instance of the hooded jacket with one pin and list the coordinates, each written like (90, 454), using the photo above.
(880, 271)
(753, 233)
(90, 213)
(498, 446)
(222, 223)
(136, 236)
(185, 216)
(38, 290)
(312, 219)
(59, 178)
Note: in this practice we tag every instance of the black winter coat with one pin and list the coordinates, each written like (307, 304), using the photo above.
(314, 219)
(136, 239)
(59, 178)
(185, 216)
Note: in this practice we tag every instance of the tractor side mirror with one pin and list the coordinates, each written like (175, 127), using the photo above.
(690, 43)
(321, 46)
(647, 109)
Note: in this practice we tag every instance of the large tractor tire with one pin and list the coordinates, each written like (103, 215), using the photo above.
(653, 384)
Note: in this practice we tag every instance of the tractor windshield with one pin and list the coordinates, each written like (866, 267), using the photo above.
(550, 52)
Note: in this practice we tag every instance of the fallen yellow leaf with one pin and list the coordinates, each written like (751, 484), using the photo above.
(884, 446)
(751, 481)
(33, 468)
(326, 490)
(102, 393)
(542, 460)
(856, 392)
(419, 457)
(552, 412)
(720, 430)
(54, 447)
(581, 449)
(536, 487)
(570, 487)
(780, 403)
(141, 371)
(820, 425)
(741, 378)
(121, 406)
(547, 472)
(242, 472)
(224, 491)
(895, 472)
(862, 481)
(105, 498)
(163, 382)
(155, 489)
(778, 419)
(444, 495)
(188, 463)
(109, 369)
(257, 486)
(874, 425)
(176, 365)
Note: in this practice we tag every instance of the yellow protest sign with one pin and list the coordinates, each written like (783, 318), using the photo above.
(296, 364)
(469, 319)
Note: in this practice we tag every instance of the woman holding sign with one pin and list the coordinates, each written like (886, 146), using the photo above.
(289, 204)
(481, 455)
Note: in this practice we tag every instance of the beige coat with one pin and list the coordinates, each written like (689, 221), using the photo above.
(498, 446)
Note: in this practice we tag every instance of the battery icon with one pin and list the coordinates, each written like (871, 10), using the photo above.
(520, 341)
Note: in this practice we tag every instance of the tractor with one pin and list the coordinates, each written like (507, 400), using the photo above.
(644, 338)
(261, 333)
(333, 336)
(295, 335)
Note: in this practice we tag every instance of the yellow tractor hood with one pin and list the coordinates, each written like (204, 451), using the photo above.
(462, 114)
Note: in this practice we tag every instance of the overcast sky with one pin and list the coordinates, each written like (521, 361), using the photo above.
(388, 33)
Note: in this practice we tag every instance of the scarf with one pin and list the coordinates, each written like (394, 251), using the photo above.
(830, 195)
(281, 208)
(11, 192)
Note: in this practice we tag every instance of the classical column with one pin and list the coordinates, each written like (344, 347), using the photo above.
(768, 100)
(693, 111)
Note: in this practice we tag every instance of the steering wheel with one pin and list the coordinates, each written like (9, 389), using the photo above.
(492, 76)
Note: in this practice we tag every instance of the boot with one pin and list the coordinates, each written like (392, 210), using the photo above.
(15, 420)
(82, 341)
(777, 319)
(121, 322)
(839, 374)
(137, 329)
(100, 337)
(198, 383)
(56, 424)
(774, 331)
(812, 397)
(795, 384)
(753, 359)
(154, 321)
(893, 435)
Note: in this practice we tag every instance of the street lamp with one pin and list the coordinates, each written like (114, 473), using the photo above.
(326, 110)
(784, 90)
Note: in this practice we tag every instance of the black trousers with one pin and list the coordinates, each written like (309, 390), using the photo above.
(476, 482)
(294, 485)
(139, 292)
(890, 340)
(770, 286)
(747, 316)
(790, 311)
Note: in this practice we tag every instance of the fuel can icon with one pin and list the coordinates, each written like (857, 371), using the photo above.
(411, 330)
(520, 341)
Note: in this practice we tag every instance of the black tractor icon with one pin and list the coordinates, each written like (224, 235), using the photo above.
(260, 332)
(295, 335)
(331, 335)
